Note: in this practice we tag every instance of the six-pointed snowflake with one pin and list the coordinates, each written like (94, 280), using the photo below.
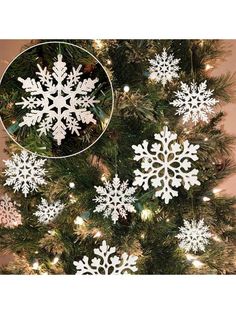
(58, 101)
(25, 172)
(194, 102)
(163, 68)
(107, 263)
(9, 215)
(48, 212)
(194, 236)
(115, 199)
(167, 165)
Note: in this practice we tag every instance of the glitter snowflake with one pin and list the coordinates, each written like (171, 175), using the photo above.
(194, 236)
(115, 199)
(167, 165)
(59, 106)
(194, 102)
(163, 68)
(48, 212)
(107, 263)
(9, 215)
(25, 172)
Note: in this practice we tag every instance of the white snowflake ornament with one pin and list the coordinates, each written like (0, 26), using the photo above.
(163, 68)
(48, 212)
(25, 172)
(194, 102)
(115, 199)
(10, 217)
(59, 102)
(167, 165)
(194, 236)
(106, 263)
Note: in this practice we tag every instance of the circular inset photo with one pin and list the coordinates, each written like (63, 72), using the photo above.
(57, 96)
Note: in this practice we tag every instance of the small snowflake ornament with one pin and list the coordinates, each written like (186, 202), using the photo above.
(9, 215)
(194, 102)
(106, 263)
(167, 165)
(25, 172)
(115, 199)
(163, 68)
(48, 212)
(59, 102)
(194, 236)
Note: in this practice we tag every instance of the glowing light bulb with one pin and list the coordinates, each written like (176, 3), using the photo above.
(72, 185)
(52, 232)
(206, 139)
(201, 43)
(146, 214)
(142, 236)
(13, 121)
(103, 178)
(99, 43)
(79, 221)
(98, 234)
(206, 199)
(208, 67)
(55, 260)
(35, 265)
(216, 190)
(126, 88)
(216, 238)
(109, 62)
(197, 264)
(167, 220)
(36, 252)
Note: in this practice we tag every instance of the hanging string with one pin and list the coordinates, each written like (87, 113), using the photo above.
(191, 60)
(116, 162)
(59, 49)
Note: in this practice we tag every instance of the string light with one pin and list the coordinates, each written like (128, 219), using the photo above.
(216, 238)
(79, 221)
(197, 264)
(193, 259)
(208, 67)
(167, 220)
(146, 214)
(206, 199)
(36, 252)
(99, 43)
(55, 260)
(98, 234)
(52, 232)
(142, 236)
(103, 178)
(206, 139)
(109, 62)
(201, 43)
(13, 121)
(72, 185)
(72, 199)
(35, 265)
(126, 88)
(216, 190)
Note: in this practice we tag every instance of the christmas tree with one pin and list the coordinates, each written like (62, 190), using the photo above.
(142, 199)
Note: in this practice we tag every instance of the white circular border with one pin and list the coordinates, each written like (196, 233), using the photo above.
(112, 106)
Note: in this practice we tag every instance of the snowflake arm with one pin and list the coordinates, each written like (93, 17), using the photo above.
(115, 199)
(106, 263)
(166, 165)
(9, 215)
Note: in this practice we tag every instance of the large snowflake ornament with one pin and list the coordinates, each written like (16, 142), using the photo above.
(46, 212)
(167, 165)
(194, 102)
(106, 263)
(194, 236)
(25, 172)
(59, 102)
(115, 199)
(9, 215)
(163, 68)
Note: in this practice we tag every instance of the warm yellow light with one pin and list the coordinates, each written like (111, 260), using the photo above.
(126, 88)
(109, 62)
(98, 234)
(216, 190)
(55, 260)
(206, 199)
(208, 67)
(197, 264)
(206, 139)
(146, 214)
(99, 43)
(216, 238)
(35, 265)
(103, 178)
(142, 236)
(79, 221)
